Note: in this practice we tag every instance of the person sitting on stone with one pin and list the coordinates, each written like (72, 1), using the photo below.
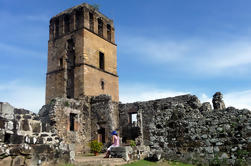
(115, 143)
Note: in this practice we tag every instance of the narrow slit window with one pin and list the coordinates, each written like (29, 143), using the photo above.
(102, 83)
(72, 122)
(91, 21)
(109, 32)
(61, 62)
(100, 27)
(101, 61)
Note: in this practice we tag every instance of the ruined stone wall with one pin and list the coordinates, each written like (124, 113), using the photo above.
(25, 139)
(104, 118)
(61, 129)
(70, 119)
(181, 128)
(91, 114)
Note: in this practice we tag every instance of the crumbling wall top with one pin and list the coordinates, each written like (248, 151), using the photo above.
(83, 5)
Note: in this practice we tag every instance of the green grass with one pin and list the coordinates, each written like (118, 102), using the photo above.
(141, 162)
(149, 163)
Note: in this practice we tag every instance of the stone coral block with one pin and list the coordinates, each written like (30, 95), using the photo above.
(36, 127)
(6, 161)
(25, 125)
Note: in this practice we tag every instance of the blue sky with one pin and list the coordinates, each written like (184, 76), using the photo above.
(165, 48)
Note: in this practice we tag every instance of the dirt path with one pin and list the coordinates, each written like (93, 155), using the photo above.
(98, 161)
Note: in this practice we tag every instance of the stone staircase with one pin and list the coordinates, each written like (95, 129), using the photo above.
(98, 161)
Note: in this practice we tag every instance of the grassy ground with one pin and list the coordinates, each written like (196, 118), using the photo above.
(148, 163)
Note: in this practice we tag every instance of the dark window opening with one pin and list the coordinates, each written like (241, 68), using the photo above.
(56, 28)
(101, 61)
(101, 133)
(70, 68)
(109, 37)
(102, 83)
(100, 27)
(61, 62)
(7, 138)
(79, 18)
(91, 21)
(66, 23)
(72, 121)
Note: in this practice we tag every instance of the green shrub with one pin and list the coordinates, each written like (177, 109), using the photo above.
(66, 104)
(132, 143)
(96, 146)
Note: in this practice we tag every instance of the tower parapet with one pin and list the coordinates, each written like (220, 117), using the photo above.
(82, 16)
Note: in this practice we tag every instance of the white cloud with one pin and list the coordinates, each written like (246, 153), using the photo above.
(19, 95)
(141, 92)
(192, 55)
(239, 100)
(204, 98)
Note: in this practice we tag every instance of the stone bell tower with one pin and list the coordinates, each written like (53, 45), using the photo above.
(82, 55)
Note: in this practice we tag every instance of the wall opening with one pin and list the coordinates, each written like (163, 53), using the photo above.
(130, 131)
(61, 62)
(100, 27)
(72, 121)
(70, 68)
(102, 83)
(79, 18)
(101, 60)
(109, 37)
(91, 21)
(56, 28)
(7, 138)
(66, 23)
(133, 119)
(101, 135)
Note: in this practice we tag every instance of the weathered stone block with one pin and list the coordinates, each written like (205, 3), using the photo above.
(9, 126)
(6, 161)
(2, 136)
(36, 127)
(121, 152)
(25, 125)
